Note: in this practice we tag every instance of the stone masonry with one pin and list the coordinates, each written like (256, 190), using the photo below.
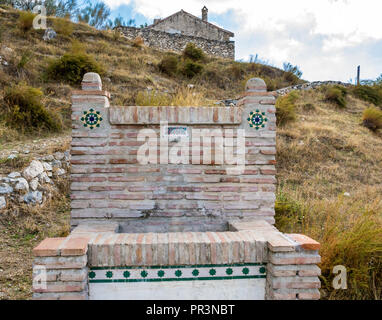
(176, 31)
(175, 42)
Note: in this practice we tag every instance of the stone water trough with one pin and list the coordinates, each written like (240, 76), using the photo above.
(174, 203)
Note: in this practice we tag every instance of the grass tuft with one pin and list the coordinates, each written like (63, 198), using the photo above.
(25, 111)
(372, 94)
(336, 95)
(286, 108)
(372, 118)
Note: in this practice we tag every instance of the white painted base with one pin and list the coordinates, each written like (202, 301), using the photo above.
(237, 289)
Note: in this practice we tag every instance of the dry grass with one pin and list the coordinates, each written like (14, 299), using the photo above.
(323, 155)
(184, 97)
(21, 229)
(130, 67)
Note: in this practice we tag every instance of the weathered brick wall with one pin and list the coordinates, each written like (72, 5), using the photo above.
(108, 182)
(129, 211)
(73, 267)
(177, 42)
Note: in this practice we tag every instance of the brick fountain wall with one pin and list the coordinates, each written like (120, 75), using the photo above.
(193, 227)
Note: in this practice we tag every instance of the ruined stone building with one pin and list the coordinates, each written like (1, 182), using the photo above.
(174, 32)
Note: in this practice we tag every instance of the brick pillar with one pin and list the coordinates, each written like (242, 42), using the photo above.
(60, 269)
(90, 131)
(293, 272)
(259, 123)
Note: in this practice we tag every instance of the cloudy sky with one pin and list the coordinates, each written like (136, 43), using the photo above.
(327, 39)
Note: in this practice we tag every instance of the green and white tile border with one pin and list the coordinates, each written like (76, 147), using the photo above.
(177, 273)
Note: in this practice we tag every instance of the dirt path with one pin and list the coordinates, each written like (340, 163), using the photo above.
(36, 147)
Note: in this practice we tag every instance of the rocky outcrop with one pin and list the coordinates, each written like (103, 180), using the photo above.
(310, 85)
(29, 186)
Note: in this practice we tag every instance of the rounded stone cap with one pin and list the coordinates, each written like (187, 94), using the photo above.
(91, 81)
(256, 85)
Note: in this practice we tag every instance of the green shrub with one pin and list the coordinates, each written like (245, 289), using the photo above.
(286, 109)
(236, 70)
(193, 53)
(291, 69)
(350, 233)
(372, 118)
(71, 67)
(169, 65)
(372, 94)
(25, 110)
(289, 213)
(25, 21)
(309, 107)
(336, 95)
(63, 26)
(190, 68)
(26, 57)
(271, 83)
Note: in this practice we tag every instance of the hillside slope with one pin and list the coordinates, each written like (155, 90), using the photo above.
(129, 68)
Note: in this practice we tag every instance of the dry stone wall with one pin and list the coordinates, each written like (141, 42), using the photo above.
(177, 42)
(311, 85)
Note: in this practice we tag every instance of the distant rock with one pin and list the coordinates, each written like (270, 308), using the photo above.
(59, 172)
(48, 158)
(59, 155)
(14, 175)
(56, 164)
(34, 184)
(34, 197)
(22, 185)
(43, 177)
(3, 203)
(34, 169)
(49, 34)
(67, 156)
(47, 166)
(5, 188)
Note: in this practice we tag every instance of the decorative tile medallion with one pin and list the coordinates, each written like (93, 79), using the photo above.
(257, 120)
(92, 119)
(177, 273)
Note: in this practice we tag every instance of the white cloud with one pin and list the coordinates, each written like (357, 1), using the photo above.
(322, 37)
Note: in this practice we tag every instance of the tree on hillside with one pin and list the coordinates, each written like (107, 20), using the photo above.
(65, 8)
(120, 22)
(379, 79)
(288, 67)
(95, 14)
(59, 8)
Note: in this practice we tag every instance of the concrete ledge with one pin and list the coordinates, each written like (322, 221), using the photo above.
(178, 248)
(305, 242)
